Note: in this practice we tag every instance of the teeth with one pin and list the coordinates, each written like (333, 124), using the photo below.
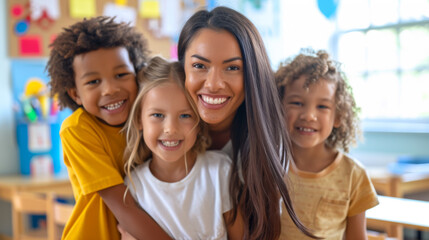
(306, 129)
(115, 105)
(170, 143)
(211, 100)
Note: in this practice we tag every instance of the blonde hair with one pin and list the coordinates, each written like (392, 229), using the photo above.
(315, 66)
(158, 71)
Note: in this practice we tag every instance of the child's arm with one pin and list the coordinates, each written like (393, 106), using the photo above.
(235, 229)
(356, 227)
(130, 216)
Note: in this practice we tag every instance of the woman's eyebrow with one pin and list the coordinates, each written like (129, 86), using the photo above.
(232, 59)
(207, 60)
(201, 58)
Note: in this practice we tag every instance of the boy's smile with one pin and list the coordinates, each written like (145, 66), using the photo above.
(106, 85)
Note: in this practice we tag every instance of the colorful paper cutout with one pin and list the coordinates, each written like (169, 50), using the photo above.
(41, 166)
(30, 46)
(121, 2)
(171, 18)
(121, 13)
(17, 10)
(149, 9)
(52, 39)
(173, 52)
(44, 8)
(21, 27)
(39, 137)
(82, 8)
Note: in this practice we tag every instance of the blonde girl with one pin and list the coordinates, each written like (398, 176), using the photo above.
(180, 185)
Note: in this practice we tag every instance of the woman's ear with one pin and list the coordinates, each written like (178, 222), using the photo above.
(72, 92)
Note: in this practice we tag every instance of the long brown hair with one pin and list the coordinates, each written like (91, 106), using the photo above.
(261, 154)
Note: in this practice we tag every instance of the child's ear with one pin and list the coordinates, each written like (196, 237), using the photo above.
(72, 92)
(337, 122)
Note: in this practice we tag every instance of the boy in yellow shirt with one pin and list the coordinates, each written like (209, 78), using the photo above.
(93, 66)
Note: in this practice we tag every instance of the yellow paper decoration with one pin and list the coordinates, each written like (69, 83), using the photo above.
(82, 8)
(149, 9)
(121, 2)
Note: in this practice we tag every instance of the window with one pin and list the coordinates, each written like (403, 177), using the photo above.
(384, 48)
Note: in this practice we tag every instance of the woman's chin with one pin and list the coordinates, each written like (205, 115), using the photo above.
(212, 119)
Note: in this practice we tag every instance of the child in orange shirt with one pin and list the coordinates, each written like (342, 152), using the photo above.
(93, 66)
(331, 190)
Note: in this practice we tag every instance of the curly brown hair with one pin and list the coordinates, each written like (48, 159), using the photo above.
(316, 66)
(86, 36)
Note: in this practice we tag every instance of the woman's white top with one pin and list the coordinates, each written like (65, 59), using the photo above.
(193, 207)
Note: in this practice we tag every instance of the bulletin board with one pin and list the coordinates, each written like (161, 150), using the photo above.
(30, 32)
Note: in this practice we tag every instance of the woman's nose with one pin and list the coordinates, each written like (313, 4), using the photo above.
(215, 80)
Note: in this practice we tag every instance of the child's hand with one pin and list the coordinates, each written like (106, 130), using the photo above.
(125, 235)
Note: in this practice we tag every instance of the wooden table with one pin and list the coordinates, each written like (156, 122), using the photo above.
(398, 185)
(12, 183)
(408, 213)
(393, 185)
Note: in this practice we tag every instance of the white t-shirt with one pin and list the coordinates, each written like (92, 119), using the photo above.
(227, 149)
(193, 207)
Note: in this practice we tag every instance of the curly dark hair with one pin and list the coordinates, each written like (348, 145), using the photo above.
(316, 66)
(86, 36)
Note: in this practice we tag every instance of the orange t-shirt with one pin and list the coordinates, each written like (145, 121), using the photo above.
(93, 154)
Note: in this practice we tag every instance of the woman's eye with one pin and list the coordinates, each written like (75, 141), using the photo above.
(198, 65)
(323, 106)
(233, 68)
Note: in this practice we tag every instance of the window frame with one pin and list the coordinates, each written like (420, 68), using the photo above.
(397, 125)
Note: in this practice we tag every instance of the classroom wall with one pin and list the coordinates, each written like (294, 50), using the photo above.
(378, 148)
(8, 147)
(382, 148)
(375, 143)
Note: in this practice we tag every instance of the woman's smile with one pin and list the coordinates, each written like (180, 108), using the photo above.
(214, 76)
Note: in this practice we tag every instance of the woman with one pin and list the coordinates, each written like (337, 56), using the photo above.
(229, 77)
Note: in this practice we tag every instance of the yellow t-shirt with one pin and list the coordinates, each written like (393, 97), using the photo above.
(93, 154)
(324, 200)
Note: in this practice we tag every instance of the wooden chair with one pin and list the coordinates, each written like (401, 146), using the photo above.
(58, 215)
(27, 203)
(374, 235)
(23, 205)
